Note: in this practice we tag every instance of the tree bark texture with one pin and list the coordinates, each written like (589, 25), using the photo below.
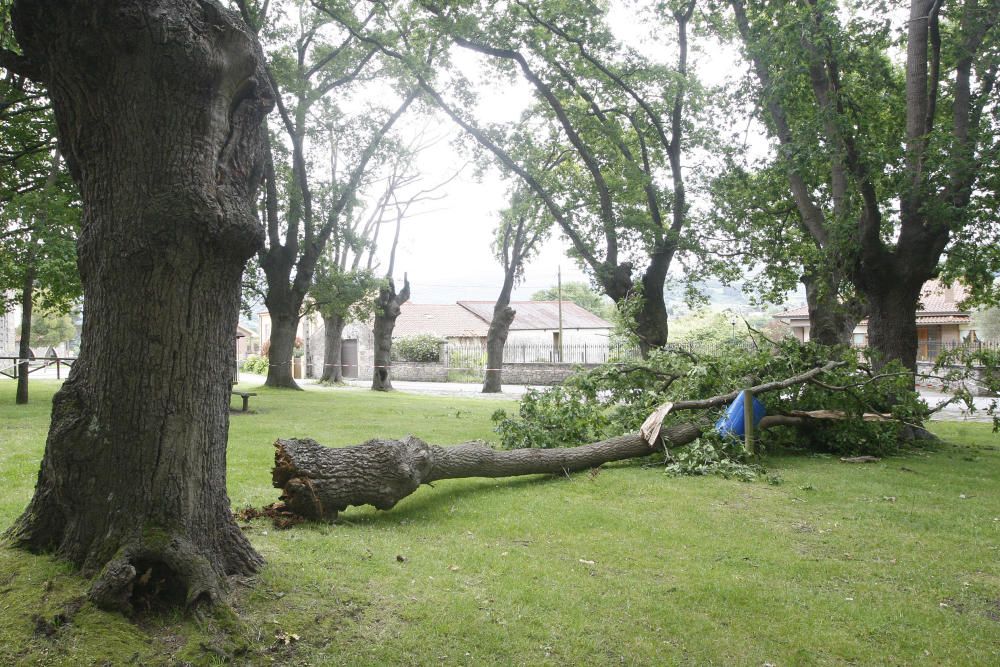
(333, 338)
(651, 322)
(387, 309)
(892, 323)
(830, 321)
(24, 345)
(158, 105)
(318, 482)
(284, 325)
(496, 340)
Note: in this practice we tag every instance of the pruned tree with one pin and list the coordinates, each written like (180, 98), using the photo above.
(620, 196)
(302, 205)
(909, 153)
(402, 198)
(158, 105)
(388, 305)
(389, 302)
(523, 225)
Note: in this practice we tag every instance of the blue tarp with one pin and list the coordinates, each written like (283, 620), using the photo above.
(731, 423)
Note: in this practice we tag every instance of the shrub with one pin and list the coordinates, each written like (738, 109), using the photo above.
(255, 364)
(423, 347)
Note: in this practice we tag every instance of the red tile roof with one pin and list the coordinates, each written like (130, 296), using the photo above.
(448, 320)
(937, 298)
(943, 319)
(471, 319)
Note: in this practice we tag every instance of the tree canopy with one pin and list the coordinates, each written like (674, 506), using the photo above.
(601, 146)
(885, 129)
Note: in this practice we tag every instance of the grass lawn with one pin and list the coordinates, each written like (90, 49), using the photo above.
(896, 562)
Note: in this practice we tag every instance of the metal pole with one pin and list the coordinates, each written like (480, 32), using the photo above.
(559, 284)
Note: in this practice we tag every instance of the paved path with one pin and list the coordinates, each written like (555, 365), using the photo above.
(954, 412)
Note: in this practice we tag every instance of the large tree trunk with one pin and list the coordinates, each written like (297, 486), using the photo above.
(496, 340)
(892, 322)
(651, 322)
(333, 339)
(318, 482)
(158, 105)
(284, 325)
(831, 322)
(24, 346)
(387, 309)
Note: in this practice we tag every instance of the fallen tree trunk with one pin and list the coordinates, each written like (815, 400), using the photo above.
(318, 482)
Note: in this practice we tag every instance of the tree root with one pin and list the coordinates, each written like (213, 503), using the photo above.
(157, 574)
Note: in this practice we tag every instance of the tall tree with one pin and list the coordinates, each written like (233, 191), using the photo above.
(522, 227)
(39, 210)
(313, 67)
(910, 154)
(620, 194)
(41, 253)
(158, 105)
(343, 287)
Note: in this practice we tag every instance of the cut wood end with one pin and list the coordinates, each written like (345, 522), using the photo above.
(283, 469)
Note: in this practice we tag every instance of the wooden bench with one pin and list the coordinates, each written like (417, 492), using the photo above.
(245, 395)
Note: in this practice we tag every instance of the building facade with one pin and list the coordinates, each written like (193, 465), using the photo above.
(941, 322)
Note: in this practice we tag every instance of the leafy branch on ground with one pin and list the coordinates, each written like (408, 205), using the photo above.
(616, 398)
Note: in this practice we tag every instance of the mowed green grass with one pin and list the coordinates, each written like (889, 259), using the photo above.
(896, 562)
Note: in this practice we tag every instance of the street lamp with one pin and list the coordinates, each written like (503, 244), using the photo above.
(732, 322)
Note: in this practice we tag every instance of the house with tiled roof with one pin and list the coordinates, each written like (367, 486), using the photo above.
(535, 322)
(941, 321)
(448, 321)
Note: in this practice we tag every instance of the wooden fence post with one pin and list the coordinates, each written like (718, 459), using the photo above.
(748, 421)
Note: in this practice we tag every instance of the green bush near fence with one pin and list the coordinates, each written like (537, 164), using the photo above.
(422, 348)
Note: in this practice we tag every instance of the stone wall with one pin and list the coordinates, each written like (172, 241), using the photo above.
(533, 373)
(419, 371)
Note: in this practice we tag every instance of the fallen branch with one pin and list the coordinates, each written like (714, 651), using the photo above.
(318, 482)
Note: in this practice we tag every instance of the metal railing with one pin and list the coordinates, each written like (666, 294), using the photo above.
(10, 366)
(930, 350)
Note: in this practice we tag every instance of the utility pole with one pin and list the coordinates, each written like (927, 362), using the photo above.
(559, 287)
